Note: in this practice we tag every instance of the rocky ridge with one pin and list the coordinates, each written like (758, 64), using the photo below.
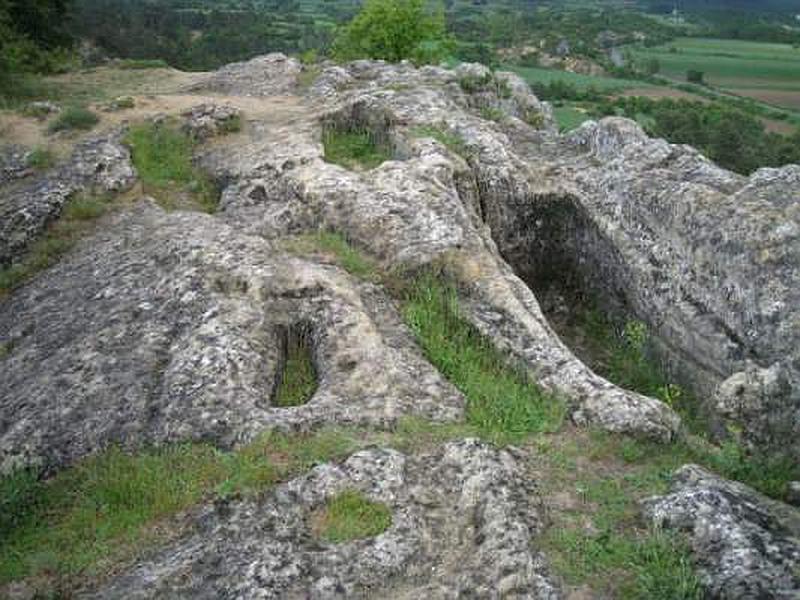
(162, 327)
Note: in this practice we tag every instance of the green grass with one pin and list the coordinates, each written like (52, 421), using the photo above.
(730, 62)
(98, 511)
(41, 159)
(336, 246)
(349, 516)
(76, 220)
(74, 118)
(163, 158)
(298, 378)
(533, 75)
(501, 402)
(621, 355)
(354, 149)
(452, 141)
(569, 118)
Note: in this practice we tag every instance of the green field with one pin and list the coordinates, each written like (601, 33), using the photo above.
(767, 72)
(534, 75)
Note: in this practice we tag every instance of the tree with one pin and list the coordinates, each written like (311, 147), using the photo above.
(394, 30)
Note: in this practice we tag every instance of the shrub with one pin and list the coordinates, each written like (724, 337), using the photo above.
(74, 119)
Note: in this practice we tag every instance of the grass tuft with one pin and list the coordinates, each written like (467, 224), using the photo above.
(74, 118)
(163, 158)
(349, 516)
(354, 148)
(41, 159)
(452, 141)
(501, 402)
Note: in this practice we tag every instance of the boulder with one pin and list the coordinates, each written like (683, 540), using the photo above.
(744, 545)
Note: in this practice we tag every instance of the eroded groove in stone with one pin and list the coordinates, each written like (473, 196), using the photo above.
(463, 519)
(159, 329)
(296, 379)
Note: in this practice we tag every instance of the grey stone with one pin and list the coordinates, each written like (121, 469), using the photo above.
(100, 164)
(209, 119)
(14, 163)
(464, 523)
(745, 545)
(269, 75)
(164, 327)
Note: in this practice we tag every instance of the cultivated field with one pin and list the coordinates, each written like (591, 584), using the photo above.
(766, 72)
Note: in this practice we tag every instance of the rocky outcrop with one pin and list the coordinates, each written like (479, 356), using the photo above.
(708, 259)
(463, 519)
(98, 165)
(209, 119)
(268, 75)
(745, 545)
(165, 327)
(426, 206)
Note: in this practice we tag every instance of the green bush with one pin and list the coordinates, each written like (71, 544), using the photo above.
(74, 118)
(394, 30)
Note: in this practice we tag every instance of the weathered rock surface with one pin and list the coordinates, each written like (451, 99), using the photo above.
(209, 119)
(745, 545)
(710, 260)
(163, 327)
(463, 522)
(426, 206)
(14, 163)
(100, 164)
(268, 75)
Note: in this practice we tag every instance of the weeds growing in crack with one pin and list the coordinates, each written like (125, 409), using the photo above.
(502, 403)
(107, 506)
(163, 158)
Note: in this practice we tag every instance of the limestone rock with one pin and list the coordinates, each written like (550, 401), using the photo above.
(209, 119)
(164, 327)
(745, 545)
(100, 164)
(753, 405)
(463, 522)
(270, 75)
(14, 163)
